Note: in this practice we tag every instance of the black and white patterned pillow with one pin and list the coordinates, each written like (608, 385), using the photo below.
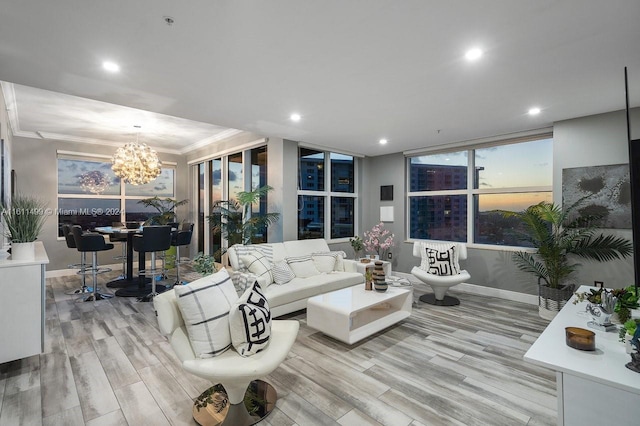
(204, 305)
(250, 322)
(258, 265)
(282, 273)
(302, 266)
(443, 262)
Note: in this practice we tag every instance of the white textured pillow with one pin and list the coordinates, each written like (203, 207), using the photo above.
(302, 266)
(340, 256)
(250, 322)
(205, 305)
(443, 262)
(325, 262)
(258, 265)
(282, 273)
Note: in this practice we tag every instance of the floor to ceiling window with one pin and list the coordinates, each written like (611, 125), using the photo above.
(327, 194)
(90, 195)
(449, 202)
(222, 178)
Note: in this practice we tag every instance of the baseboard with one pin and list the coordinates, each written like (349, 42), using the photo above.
(514, 296)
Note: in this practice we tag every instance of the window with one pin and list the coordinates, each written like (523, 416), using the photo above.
(90, 195)
(222, 178)
(316, 204)
(505, 178)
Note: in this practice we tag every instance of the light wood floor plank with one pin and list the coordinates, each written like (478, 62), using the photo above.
(441, 366)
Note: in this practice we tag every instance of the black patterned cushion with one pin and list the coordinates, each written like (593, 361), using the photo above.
(250, 322)
(205, 306)
(443, 262)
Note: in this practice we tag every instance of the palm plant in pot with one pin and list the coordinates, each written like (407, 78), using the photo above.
(23, 222)
(558, 235)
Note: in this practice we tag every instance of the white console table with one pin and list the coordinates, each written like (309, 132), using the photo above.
(22, 305)
(593, 387)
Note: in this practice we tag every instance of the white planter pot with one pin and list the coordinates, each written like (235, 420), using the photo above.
(23, 251)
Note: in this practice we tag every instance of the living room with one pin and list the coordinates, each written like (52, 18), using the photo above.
(586, 119)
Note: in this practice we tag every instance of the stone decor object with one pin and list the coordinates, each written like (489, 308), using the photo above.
(379, 279)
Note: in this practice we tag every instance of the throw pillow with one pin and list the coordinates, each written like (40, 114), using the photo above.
(325, 262)
(302, 266)
(340, 256)
(443, 262)
(282, 273)
(258, 265)
(250, 322)
(205, 306)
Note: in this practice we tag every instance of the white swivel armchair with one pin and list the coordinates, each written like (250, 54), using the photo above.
(238, 398)
(440, 283)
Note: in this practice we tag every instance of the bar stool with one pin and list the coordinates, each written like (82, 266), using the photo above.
(153, 239)
(71, 243)
(179, 238)
(118, 237)
(92, 243)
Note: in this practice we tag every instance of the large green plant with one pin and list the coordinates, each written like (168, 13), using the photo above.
(166, 208)
(558, 234)
(232, 218)
(24, 219)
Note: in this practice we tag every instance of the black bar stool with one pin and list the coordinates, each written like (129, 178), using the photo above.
(153, 239)
(71, 243)
(92, 243)
(180, 238)
(119, 237)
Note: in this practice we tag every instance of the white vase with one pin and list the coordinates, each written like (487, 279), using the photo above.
(23, 251)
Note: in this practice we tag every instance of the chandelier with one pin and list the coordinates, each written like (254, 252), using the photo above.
(95, 182)
(136, 163)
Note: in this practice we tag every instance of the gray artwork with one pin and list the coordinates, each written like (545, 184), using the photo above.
(609, 191)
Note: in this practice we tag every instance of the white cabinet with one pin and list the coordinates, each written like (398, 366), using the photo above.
(593, 387)
(22, 305)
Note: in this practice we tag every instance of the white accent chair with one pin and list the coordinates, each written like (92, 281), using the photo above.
(236, 374)
(440, 283)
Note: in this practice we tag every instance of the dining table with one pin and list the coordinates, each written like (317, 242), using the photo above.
(130, 285)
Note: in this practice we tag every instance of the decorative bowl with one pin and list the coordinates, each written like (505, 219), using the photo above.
(365, 260)
(579, 338)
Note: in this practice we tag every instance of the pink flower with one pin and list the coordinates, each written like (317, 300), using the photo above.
(378, 240)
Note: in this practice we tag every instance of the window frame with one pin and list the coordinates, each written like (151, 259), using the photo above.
(472, 192)
(328, 194)
(121, 197)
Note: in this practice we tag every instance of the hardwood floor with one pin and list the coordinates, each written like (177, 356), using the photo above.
(106, 363)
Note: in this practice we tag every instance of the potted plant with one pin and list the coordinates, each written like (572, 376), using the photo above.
(166, 208)
(378, 240)
(559, 235)
(204, 264)
(232, 218)
(23, 222)
(357, 245)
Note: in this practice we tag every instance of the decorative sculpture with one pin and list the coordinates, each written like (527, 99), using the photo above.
(634, 365)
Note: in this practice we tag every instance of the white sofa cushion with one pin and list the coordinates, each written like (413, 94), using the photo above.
(302, 266)
(303, 288)
(282, 273)
(258, 265)
(205, 305)
(250, 322)
(324, 261)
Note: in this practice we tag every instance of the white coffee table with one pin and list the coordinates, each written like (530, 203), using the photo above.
(353, 313)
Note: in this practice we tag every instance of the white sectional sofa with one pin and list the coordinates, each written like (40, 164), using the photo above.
(292, 296)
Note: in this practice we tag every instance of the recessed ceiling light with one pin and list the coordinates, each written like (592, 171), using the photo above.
(473, 54)
(534, 111)
(295, 117)
(111, 66)
(383, 141)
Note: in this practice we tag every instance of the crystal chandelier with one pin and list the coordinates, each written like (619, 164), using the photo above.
(136, 163)
(95, 182)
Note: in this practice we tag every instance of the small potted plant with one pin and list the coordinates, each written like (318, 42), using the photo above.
(627, 331)
(23, 222)
(378, 240)
(357, 245)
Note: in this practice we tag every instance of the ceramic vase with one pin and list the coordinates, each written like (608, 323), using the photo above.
(379, 279)
(23, 251)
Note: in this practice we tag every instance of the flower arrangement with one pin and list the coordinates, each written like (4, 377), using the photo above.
(378, 240)
(357, 244)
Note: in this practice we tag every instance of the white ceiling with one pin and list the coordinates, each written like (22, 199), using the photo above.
(356, 70)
